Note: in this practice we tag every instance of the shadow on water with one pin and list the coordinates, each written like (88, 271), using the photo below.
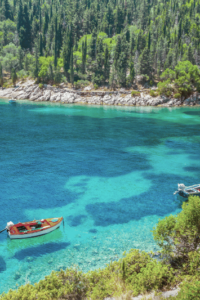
(158, 200)
(76, 220)
(40, 250)
(192, 113)
(93, 230)
(2, 264)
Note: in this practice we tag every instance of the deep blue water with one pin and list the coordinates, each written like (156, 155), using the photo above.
(109, 171)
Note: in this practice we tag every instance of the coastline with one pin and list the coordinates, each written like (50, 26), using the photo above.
(32, 92)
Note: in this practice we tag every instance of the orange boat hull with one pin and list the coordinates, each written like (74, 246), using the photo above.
(34, 228)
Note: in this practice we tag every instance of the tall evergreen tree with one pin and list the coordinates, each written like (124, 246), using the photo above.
(66, 54)
(1, 75)
(36, 64)
(191, 55)
(14, 76)
(145, 68)
(41, 45)
(132, 72)
(72, 68)
(106, 64)
(7, 12)
(55, 45)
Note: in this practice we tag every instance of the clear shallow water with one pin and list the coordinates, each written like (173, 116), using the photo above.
(109, 171)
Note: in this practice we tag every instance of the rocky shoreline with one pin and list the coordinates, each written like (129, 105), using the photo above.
(32, 92)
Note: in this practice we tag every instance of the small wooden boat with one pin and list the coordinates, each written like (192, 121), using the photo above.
(12, 101)
(186, 191)
(33, 229)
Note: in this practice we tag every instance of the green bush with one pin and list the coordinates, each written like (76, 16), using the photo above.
(81, 84)
(165, 88)
(135, 93)
(179, 235)
(153, 93)
(40, 85)
(96, 86)
(189, 290)
(177, 95)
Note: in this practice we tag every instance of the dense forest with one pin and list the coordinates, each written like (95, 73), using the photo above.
(104, 42)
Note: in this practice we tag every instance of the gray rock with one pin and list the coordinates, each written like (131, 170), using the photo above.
(65, 97)
(53, 97)
(34, 96)
(58, 98)
(47, 95)
(24, 96)
(88, 88)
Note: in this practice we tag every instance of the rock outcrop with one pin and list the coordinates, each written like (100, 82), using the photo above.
(32, 92)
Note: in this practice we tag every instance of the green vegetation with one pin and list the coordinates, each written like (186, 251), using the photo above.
(153, 93)
(183, 80)
(104, 42)
(137, 272)
(135, 93)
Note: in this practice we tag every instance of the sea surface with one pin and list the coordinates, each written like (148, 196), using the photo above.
(109, 171)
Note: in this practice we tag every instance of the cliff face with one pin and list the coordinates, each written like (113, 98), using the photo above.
(32, 92)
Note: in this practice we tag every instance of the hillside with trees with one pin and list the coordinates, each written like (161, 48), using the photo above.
(106, 42)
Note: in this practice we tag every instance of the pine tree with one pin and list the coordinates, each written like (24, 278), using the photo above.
(20, 55)
(1, 75)
(7, 12)
(132, 44)
(27, 42)
(93, 45)
(14, 76)
(66, 55)
(41, 45)
(20, 17)
(149, 40)
(5, 34)
(106, 64)
(191, 55)
(36, 65)
(132, 72)
(55, 45)
(145, 68)
(71, 68)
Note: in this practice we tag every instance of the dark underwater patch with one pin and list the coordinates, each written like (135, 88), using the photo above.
(40, 250)
(77, 220)
(2, 264)
(93, 230)
(136, 207)
(192, 113)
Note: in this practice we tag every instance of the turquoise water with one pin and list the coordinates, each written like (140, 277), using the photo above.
(109, 171)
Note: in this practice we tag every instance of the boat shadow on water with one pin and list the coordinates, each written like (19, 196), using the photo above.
(40, 250)
(18, 245)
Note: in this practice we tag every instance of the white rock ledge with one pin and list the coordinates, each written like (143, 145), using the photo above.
(32, 92)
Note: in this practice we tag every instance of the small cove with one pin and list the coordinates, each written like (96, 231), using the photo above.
(109, 171)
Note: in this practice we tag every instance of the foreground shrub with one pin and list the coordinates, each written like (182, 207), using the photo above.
(189, 290)
(142, 273)
(179, 235)
(135, 93)
(137, 272)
